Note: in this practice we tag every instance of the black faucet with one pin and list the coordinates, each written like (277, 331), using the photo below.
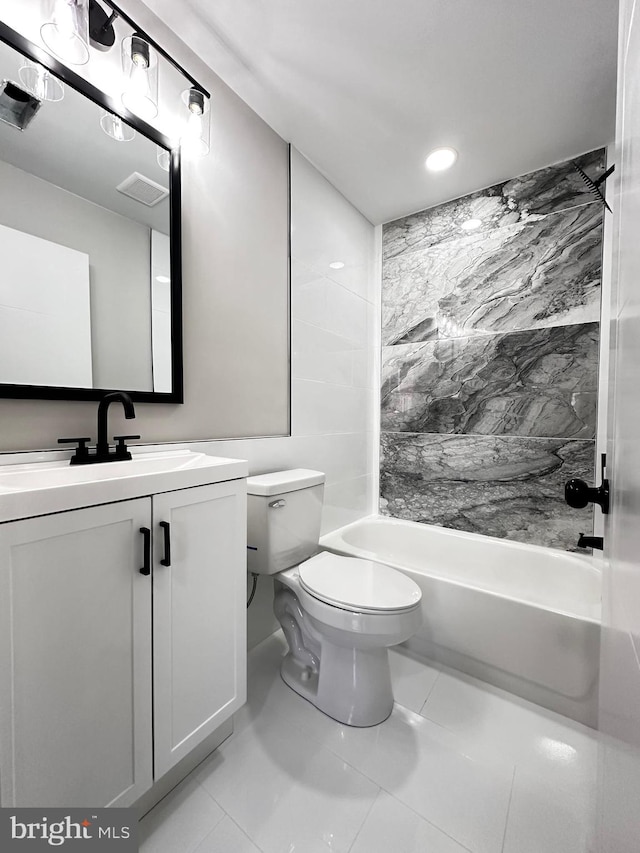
(103, 452)
(591, 542)
(102, 447)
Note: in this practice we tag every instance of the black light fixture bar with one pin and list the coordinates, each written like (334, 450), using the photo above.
(157, 47)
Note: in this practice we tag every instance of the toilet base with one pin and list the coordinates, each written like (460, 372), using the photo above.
(353, 686)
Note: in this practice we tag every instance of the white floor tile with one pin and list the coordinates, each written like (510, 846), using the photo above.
(227, 838)
(412, 679)
(180, 821)
(544, 820)
(287, 792)
(294, 781)
(268, 695)
(424, 766)
(392, 826)
(537, 740)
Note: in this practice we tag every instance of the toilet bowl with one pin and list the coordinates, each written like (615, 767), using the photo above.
(339, 614)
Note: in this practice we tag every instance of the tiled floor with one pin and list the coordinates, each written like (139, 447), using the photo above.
(459, 766)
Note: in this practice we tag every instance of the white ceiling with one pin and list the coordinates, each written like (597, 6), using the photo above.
(366, 88)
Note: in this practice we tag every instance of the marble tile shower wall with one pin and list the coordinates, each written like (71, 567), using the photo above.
(490, 357)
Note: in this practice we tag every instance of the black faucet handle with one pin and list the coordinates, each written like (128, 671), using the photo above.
(121, 447)
(82, 452)
(80, 441)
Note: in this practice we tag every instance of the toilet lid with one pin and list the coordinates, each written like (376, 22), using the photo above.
(356, 584)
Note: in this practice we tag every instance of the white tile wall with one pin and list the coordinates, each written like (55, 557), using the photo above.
(334, 351)
(334, 362)
(334, 346)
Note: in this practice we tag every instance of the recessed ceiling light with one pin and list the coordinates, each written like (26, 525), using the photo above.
(441, 159)
(163, 279)
(336, 265)
(471, 224)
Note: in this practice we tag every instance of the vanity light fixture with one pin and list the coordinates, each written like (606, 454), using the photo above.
(102, 34)
(440, 159)
(115, 127)
(471, 224)
(66, 31)
(140, 67)
(337, 265)
(74, 25)
(40, 82)
(194, 141)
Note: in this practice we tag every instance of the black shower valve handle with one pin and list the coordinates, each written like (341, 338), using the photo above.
(578, 494)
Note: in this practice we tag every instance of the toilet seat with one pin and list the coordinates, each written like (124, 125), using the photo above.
(358, 585)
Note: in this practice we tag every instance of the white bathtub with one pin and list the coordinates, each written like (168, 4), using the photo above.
(521, 617)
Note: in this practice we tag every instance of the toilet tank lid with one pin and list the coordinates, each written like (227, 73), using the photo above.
(279, 482)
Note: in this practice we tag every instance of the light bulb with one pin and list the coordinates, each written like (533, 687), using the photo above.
(192, 133)
(64, 19)
(139, 81)
(140, 95)
(40, 84)
(118, 132)
(195, 136)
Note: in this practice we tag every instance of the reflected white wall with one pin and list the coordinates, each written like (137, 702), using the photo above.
(45, 312)
(161, 311)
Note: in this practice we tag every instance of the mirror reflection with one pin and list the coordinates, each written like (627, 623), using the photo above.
(85, 290)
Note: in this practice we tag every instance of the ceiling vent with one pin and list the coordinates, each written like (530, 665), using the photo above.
(142, 189)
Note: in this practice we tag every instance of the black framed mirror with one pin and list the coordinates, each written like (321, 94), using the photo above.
(90, 239)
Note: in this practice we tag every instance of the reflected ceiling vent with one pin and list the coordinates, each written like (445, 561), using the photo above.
(142, 189)
(17, 107)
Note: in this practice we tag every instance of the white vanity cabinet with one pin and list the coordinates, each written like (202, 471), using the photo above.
(199, 616)
(108, 676)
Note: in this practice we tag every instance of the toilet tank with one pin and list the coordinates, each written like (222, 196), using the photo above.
(284, 510)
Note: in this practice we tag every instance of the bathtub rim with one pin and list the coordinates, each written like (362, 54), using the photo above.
(590, 562)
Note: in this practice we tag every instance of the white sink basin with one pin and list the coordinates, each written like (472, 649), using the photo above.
(43, 487)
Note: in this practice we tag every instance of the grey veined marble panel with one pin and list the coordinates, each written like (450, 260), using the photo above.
(522, 276)
(511, 488)
(549, 190)
(541, 382)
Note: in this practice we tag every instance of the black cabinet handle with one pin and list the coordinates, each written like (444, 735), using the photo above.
(146, 551)
(167, 543)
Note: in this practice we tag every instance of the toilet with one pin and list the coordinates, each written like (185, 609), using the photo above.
(339, 614)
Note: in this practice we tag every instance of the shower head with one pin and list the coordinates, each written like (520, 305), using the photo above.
(594, 186)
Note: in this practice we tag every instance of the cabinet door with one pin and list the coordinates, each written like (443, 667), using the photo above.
(199, 615)
(75, 659)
